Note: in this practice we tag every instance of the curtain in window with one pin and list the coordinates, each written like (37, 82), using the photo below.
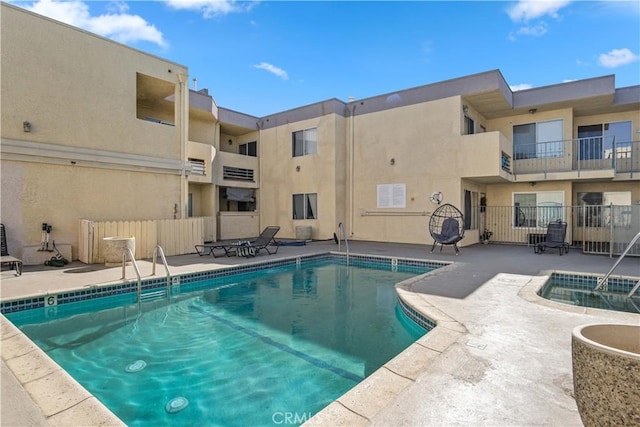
(311, 141)
(312, 206)
(297, 144)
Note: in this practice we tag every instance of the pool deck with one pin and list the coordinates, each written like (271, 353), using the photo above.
(499, 356)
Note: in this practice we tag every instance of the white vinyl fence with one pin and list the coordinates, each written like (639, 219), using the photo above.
(175, 236)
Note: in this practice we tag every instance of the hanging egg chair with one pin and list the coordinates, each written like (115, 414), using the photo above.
(446, 226)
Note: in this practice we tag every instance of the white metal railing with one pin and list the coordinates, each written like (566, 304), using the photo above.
(197, 167)
(597, 229)
(156, 251)
(128, 252)
(602, 283)
(230, 172)
(343, 233)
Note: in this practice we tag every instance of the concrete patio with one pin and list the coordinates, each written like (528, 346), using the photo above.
(500, 355)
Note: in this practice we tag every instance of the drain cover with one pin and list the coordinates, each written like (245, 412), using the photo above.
(176, 405)
(136, 366)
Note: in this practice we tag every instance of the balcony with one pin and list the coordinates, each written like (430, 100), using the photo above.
(595, 157)
(200, 157)
(486, 157)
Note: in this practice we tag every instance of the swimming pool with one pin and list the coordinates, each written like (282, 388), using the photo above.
(263, 343)
(577, 289)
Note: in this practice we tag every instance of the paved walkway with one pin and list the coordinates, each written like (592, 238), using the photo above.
(500, 355)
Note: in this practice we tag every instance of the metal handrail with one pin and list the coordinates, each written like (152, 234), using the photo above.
(343, 232)
(129, 252)
(603, 281)
(158, 249)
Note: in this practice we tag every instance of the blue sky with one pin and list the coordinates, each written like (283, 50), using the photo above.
(263, 57)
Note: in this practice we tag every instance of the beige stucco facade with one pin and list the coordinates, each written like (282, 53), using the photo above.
(92, 129)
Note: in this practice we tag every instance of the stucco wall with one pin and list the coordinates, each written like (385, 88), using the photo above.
(424, 141)
(78, 89)
(317, 174)
(87, 155)
(33, 194)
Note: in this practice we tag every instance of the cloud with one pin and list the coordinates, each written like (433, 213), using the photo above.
(116, 25)
(521, 86)
(211, 8)
(617, 57)
(526, 10)
(273, 70)
(533, 31)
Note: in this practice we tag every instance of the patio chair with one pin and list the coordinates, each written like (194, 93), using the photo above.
(556, 234)
(446, 226)
(5, 258)
(243, 247)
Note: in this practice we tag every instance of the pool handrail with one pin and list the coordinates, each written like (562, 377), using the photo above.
(343, 232)
(602, 282)
(158, 249)
(129, 252)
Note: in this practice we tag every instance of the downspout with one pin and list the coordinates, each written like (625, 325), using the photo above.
(351, 168)
(260, 197)
(183, 136)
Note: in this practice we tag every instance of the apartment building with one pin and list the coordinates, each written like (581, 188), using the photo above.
(92, 129)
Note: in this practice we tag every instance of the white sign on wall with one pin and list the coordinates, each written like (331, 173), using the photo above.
(392, 195)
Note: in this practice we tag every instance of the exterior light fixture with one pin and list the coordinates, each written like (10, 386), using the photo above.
(26, 126)
(392, 161)
(533, 110)
(297, 168)
(465, 108)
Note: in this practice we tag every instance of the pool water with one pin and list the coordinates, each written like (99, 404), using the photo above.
(578, 290)
(259, 348)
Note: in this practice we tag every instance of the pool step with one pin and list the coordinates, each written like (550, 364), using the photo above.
(153, 295)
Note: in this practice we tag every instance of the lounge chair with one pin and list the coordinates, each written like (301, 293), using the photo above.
(5, 258)
(242, 247)
(446, 226)
(555, 238)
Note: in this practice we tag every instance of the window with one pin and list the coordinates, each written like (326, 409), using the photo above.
(538, 140)
(595, 209)
(305, 142)
(248, 149)
(597, 141)
(305, 206)
(537, 209)
(469, 125)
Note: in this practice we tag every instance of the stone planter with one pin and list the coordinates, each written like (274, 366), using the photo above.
(606, 374)
(303, 232)
(114, 247)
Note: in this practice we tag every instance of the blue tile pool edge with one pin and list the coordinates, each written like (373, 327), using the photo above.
(159, 282)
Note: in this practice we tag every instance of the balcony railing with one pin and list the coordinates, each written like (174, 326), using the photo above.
(242, 174)
(583, 154)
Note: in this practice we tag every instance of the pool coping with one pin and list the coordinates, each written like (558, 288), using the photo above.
(64, 401)
(364, 401)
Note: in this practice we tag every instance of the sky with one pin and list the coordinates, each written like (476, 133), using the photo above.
(265, 57)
